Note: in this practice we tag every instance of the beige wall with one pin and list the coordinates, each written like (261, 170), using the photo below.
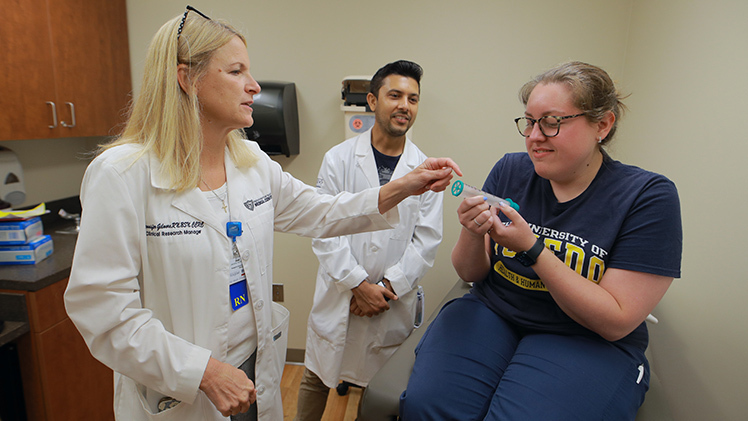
(681, 60)
(52, 168)
(475, 55)
(685, 67)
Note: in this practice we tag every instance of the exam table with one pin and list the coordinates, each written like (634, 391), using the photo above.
(381, 399)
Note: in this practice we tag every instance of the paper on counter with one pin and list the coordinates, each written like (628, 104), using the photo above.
(22, 214)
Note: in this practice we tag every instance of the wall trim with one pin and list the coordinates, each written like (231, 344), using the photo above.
(295, 355)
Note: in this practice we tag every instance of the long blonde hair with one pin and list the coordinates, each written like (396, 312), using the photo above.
(164, 118)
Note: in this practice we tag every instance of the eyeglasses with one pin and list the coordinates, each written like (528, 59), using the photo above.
(184, 17)
(549, 125)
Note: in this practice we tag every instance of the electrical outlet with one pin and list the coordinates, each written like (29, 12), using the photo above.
(278, 292)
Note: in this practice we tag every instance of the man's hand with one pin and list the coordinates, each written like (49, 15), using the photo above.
(369, 299)
(228, 388)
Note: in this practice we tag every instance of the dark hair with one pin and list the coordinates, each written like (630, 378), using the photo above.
(401, 67)
(592, 89)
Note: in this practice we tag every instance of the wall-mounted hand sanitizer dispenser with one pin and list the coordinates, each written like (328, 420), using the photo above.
(358, 117)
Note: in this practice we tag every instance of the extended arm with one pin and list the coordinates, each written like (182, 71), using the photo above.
(434, 174)
(301, 210)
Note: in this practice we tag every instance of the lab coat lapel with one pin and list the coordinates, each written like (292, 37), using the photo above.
(237, 190)
(191, 202)
(365, 159)
(408, 160)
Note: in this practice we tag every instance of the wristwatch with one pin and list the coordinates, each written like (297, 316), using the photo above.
(529, 257)
(380, 283)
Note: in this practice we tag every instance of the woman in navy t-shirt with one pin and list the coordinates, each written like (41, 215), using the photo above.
(553, 328)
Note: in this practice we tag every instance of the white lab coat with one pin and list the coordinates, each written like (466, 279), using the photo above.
(149, 283)
(342, 346)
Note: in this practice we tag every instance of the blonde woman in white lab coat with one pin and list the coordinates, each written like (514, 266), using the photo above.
(171, 278)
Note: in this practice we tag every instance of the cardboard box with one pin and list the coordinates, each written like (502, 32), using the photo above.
(20, 232)
(27, 254)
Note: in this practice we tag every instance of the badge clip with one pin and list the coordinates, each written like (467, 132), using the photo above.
(233, 229)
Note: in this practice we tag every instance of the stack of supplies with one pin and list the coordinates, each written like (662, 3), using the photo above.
(22, 240)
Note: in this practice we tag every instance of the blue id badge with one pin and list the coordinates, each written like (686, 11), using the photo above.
(238, 293)
(237, 282)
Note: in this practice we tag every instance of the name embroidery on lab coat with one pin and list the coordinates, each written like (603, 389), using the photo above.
(174, 228)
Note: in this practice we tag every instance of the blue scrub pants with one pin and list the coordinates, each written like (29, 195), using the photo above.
(473, 365)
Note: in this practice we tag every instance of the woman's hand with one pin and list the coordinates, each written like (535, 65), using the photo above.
(228, 388)
(433, 174)
(475, 216)
(471, 256)
(517, 235)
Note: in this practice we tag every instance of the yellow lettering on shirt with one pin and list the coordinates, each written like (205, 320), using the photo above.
(596, 269)
(519, 280)
(574, 257)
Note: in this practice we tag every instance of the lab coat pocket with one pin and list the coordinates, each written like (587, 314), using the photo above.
(280, 334)
(399, 323)
(150, 401)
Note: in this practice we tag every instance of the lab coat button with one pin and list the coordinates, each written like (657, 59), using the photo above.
(259, 305)
(245, 255)
(261, 390)
(374, 248)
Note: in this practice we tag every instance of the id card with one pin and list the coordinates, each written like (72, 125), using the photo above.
(239, 296)
(237, 283)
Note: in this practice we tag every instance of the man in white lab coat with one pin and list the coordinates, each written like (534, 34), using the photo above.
(365, 299)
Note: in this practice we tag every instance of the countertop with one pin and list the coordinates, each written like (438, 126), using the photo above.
(54, 268)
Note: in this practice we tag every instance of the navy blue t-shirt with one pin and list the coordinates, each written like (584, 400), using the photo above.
(628, 218)
(385, 165)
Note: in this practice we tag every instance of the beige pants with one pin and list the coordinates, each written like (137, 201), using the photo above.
(312, 398)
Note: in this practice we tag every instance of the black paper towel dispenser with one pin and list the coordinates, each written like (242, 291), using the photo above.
(276, 116)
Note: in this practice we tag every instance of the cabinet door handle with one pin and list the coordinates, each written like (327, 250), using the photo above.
(72, 115)
(54, 114)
